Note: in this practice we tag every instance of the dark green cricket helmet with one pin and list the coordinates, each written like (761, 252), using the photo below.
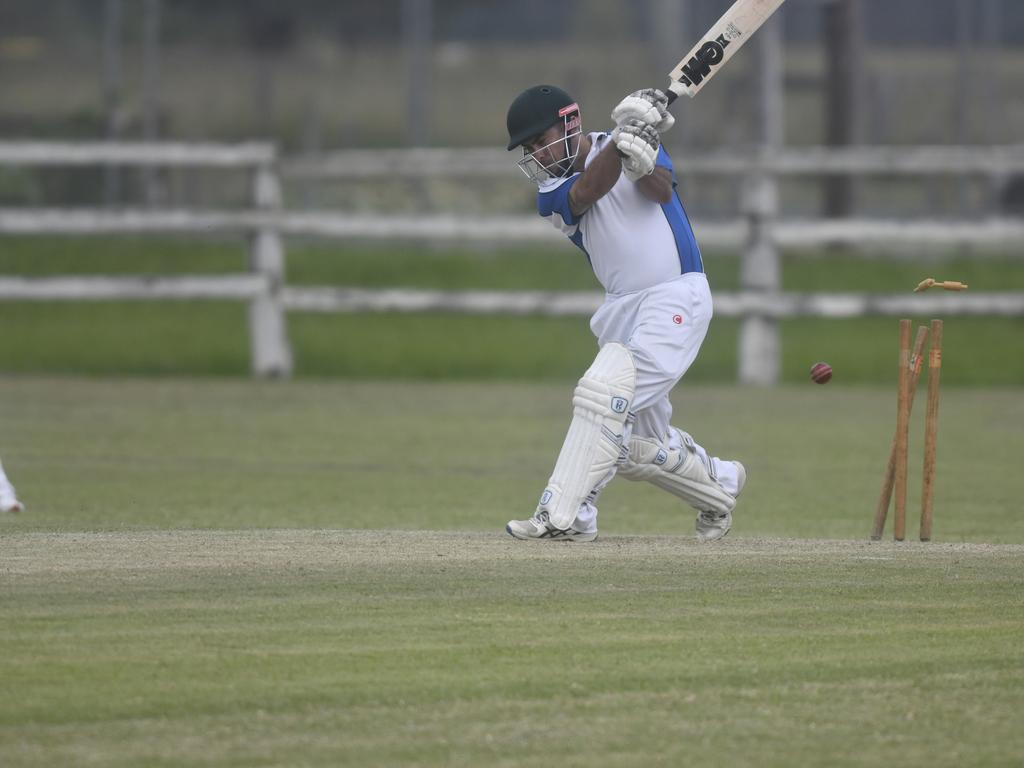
(534, 111)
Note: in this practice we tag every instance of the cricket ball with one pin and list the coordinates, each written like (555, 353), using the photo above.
(821, 373)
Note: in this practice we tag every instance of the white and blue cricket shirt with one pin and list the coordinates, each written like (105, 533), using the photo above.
(632, 243)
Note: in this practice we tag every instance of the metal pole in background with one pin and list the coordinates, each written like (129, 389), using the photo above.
(312, 121)
(151, 93)
(844, 102)
(991, 95)
(668, 28)
(963, 103)
(760, 349)
(111, 87)
(417, 33)
(993, 105)
(964, 71)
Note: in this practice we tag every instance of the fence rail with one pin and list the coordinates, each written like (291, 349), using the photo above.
(727, 304)
(270, 349)
(521, 229)
(791, 161)
(300, 298)
(266, 223)
(104, 288)
(139, 154)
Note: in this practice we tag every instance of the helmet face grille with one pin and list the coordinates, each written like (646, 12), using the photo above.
(537, 172)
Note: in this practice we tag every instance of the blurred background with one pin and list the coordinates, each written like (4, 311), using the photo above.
(339, 168)
(313, 74)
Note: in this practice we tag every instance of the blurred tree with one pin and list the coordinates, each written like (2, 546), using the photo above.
(595, 21)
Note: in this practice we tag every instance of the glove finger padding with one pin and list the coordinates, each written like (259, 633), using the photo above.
(648, 105)
(639, 144)
(635, 169)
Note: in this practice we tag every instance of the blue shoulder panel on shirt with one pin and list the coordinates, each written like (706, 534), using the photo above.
(557, 201)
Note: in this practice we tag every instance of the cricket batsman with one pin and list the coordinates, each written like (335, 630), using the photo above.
(614, 196)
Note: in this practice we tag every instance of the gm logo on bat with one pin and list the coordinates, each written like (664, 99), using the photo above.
(709, 55)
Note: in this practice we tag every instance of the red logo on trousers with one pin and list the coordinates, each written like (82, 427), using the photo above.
(677, 319)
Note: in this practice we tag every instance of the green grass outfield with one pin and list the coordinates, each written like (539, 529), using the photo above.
(218, 573)
(211, 338)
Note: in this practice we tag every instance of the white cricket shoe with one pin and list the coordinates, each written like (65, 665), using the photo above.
(9, 502)
(538, 528)
(741, 478)
(711, 526)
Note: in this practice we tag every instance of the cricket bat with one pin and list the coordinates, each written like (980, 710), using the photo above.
(718, 46)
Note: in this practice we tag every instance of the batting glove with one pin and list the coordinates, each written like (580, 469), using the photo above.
(648, 105)
(638, 145)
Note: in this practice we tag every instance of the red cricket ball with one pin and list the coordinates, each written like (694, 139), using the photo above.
(821, 373)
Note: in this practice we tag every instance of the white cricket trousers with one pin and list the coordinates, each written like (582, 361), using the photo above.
(663, 327)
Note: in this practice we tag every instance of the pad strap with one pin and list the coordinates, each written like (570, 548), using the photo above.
(681, 472)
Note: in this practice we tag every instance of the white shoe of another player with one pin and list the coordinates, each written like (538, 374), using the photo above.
(711, 526)
(537, 528)
(8, 501)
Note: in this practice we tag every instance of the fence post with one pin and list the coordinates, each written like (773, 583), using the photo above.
(759, 345)
(268, 329)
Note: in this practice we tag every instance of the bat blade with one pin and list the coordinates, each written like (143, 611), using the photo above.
(719, 45)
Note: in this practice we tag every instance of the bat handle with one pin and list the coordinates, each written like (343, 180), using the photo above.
(672, 95)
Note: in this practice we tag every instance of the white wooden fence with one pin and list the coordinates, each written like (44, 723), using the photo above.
(261, 287)
(759, 233)
(996, 161)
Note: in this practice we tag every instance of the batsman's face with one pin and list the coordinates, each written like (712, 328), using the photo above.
(547, 148)
(552, 153)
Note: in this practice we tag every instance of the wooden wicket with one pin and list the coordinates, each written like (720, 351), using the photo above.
(931, 427)
(946, 285)
(885, 497)
(899, 512)
(895, 479)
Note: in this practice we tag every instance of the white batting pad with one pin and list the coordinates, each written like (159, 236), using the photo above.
(681, 472)
(592, 446)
